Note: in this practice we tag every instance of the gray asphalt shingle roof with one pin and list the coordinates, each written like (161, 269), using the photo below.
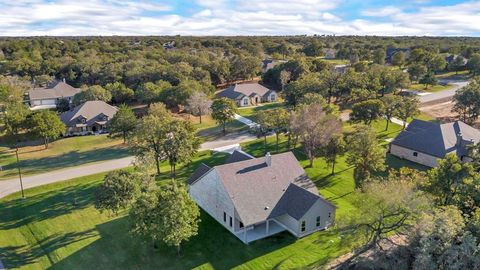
(53, 91)
(256, 188)
(238, 91)
(437, 139)
(237, 156)
(92, 111)
(199, 172)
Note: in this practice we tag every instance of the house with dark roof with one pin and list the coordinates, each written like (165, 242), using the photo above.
(47, 97)
(255, 198)
(91, 117)
(249, 94)
(425, 142)
(268, 64)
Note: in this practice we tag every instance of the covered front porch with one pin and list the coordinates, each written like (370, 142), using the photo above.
(258, 231)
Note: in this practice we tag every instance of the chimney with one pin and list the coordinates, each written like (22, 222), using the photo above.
(268, 159)
(459, 139)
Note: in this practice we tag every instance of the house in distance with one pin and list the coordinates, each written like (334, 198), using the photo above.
(255, 198)
(88, 118)
(249, 94)
(47, 97)
(425, 142)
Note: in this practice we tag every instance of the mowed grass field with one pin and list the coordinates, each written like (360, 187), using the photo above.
(62, 153)
(57, 227)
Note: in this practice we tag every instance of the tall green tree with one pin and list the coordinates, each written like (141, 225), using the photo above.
(407, 108)
(467, 101)
(223, 111)
(364, 153)
(336, 146)
(379, 56)
(123, 122)
(118, 191)
(179, 143)
(473, 64)
(429, 79)
(315, 128)
(120, 92)
(367, 111)
(390, 105)
(398, 59)
(47, 125)
(15, 117)
(179, 215)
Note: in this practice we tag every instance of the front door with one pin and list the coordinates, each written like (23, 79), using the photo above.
(94, 128)
(256, 100)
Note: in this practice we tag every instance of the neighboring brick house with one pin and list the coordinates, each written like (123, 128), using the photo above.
(48, 97)
(425, 142)
(249, 94)
(88, 118)
(254, 198)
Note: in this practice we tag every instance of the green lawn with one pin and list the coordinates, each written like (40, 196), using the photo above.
(435, 88)
(61, 154)
(47, 230)
(250, 112)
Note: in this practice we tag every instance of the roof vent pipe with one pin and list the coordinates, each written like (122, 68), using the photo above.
(268, 159)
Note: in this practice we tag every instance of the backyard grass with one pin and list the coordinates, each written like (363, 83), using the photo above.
(432, 89)
(63, 153)
(49, 230)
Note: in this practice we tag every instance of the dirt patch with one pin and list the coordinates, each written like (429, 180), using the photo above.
(441, 111)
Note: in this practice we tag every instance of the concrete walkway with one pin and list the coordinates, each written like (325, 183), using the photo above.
(245, 120)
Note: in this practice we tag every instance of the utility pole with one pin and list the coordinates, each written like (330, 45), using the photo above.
(19, 172)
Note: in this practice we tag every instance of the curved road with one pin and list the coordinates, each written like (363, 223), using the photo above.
(443, 95)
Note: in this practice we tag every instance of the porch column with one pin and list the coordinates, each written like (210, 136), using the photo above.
(268, 222)
(245, 235)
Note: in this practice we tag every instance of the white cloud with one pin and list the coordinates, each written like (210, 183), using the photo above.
(234, 17)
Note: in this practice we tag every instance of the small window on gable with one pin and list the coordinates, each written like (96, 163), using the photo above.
(415, 154)
(245, 101)
(241, 225)
(302, 228)
(231, 222)
(329, 214)
(224, 217)
(318, 221)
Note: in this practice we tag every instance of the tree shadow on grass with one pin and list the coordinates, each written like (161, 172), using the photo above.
(21, 256)
(16, 213)
(70, 159)
(213, 246)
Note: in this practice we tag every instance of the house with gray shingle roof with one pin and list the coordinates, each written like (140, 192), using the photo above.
(90, 117)
(48, 97)
(425, 142)
(249, 94)
(255, 198)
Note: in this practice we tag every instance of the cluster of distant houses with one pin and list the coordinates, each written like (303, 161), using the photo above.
(88, 118)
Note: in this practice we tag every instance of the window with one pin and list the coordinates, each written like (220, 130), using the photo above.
(224, 217)
(302, 228)
(245, 101)
(329, 215)
(241, 225)
(231, 223)
(415, 154)
(272, 97)
(318, 221)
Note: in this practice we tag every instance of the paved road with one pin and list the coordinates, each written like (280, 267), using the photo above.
(13, 185)
(245, 120)
(443, 95)
(10, 186)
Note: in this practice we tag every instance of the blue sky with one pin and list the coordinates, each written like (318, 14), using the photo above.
(239, 17)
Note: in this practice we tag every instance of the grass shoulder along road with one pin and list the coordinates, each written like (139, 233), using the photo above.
(62, 153)
(57, 227)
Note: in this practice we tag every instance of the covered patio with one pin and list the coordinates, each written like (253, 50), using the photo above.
(259, 231)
